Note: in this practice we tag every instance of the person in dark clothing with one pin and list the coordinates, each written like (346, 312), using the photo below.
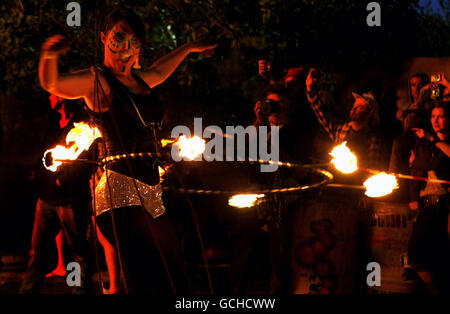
(429, 246)
(275, 224)
(63, 203)
(413, 117)
(129, 196)
(361, 131)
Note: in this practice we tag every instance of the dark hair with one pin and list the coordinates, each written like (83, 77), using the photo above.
(273, 89)
(444, 105)
(425, 80)
(128, 16)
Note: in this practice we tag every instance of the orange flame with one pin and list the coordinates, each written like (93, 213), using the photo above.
(380, 184)
(165, 142)
(344, 160)
(81, 136)
(191, 147)
(244, 200)
(162, 172)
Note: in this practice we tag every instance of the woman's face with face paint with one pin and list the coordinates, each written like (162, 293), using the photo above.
(122, 47)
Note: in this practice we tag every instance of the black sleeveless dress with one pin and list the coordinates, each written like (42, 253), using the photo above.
(127, 128)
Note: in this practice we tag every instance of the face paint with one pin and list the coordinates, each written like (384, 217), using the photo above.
(124, 45)
(136, 43)
(116, 42)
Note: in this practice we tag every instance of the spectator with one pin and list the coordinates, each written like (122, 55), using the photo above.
(361, 131)
(429, 247)
(437, 89)
(412, 117)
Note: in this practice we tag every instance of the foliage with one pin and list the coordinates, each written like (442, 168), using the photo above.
(289, 31)
(332, 34)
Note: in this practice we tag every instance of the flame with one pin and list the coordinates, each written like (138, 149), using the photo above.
(81, 136)
(344, 160)
(165, 142)
(162, 172)
(244, 200)
(191, 147)
(380, 184)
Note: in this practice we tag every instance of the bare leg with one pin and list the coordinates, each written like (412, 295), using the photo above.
(111, 262)
(60, 269)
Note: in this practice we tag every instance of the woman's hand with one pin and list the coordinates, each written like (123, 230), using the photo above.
(311, 80)
(421, 133)
(202, 46)
(414, 205)
(54, 46)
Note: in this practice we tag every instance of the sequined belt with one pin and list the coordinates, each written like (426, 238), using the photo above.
(123, 194)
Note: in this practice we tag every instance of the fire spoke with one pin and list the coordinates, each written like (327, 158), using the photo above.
(344, 160)
(191, 148)
(79, 139)
(380, 185)
(244, 200)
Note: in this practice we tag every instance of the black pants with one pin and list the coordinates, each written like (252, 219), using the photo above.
(138, 234)
(49, 219)
(429, 246)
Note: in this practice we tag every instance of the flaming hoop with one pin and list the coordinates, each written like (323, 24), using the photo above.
(81, 136)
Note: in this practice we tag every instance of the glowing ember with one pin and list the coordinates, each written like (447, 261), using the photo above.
(81, 137)
(165, 142)
(244, 200)
(380, 185)
(163, 171)
(191, 147)
(344, 160)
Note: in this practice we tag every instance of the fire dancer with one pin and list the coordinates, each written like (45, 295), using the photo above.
(63, 203)
(128, 197)
(429, 246)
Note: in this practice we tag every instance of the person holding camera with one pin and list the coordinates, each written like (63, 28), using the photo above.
(437, 89)
(411, 116)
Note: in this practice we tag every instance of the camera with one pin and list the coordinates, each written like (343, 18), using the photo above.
(269, 106)
(435, 77)
(436, 91)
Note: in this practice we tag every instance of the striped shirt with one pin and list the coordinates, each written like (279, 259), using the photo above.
(368, 144)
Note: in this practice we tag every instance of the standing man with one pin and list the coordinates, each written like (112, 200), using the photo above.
(361, 130)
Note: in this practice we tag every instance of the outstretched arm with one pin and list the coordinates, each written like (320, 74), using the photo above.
(319, 104)
(444, 147)
(165, 66)
(74, 85)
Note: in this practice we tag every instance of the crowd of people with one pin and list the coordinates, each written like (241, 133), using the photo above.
(141, 246)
